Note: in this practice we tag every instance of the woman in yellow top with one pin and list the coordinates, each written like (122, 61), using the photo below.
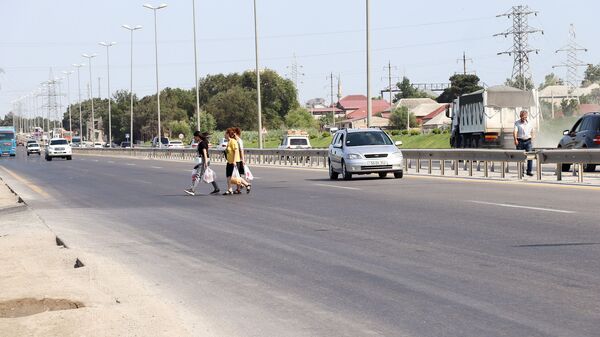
(232, 153)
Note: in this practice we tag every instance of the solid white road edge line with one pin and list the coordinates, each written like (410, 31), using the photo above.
(524, 207)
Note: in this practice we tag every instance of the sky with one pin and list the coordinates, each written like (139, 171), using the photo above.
(422, 40)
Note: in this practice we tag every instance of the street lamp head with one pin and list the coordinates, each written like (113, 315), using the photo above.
(88, 56)
(155, 8)
(78, 65)
(162, 6)
(107, 44)
(131, 28)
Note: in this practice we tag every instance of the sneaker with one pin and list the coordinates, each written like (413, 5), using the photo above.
(189, 191)
(215, 191)
(529, 174)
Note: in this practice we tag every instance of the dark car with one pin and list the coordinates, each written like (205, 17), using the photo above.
(585, 134)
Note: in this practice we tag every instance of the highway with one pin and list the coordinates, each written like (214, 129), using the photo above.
(305, 256)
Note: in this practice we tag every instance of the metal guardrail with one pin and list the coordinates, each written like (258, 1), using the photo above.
(317, 158)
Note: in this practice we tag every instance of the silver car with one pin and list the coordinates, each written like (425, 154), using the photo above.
(364, 151)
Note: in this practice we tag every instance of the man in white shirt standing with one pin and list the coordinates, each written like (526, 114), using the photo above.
(523, 134)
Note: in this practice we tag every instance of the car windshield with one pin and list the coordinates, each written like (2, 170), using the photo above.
(33, 145)
(176, 142)
(7, 136)
(164, 140)
(298, 141)
(58, 142)
(367, 138)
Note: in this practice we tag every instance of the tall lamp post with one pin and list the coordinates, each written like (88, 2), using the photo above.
(131, 30)
(260, 135)
(90, 57)
(154, 9)
(78, 66)
(196, 68)
(369, 102)
(68, 73)
(108, 45)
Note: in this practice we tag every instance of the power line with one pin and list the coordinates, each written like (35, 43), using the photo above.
(520, 31)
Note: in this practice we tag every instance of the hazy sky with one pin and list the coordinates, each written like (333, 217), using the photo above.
(422, 39)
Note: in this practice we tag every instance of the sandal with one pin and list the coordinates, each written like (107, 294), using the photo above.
(237, 192)
(248, 188)
(229, 192)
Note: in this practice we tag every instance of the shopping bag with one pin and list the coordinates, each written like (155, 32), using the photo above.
(208, 176)
(236, 179)
(195, 175)
(249, 175)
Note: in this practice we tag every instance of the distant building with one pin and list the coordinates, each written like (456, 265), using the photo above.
(557, 93)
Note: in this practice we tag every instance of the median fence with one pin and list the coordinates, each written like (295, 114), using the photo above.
(432, 161)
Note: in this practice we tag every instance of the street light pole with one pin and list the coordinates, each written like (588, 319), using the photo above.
(89, 57)
(79, 94)
(369, 102)
(260, 135)
(131, 30)
(196, 68)
(108, 45)
(154, 9)
(68, 73)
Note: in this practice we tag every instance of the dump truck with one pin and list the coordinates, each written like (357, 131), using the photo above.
(486, 118)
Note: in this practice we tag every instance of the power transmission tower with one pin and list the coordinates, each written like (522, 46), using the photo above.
(51, 103)
(572, 62)
(295, 72)
(520, 31)
(464, 60)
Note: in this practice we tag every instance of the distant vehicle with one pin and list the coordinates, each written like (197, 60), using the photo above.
(585, 134)
(486, 118)
(31, 141)
(76, 141)
(175, 144)
(58, 147)
(33, 147)
(363, 151)
(222, 145)
(163, 140)
(126, 145)
(98, 145)
(295, 139)
(193, 144)
(8, 142)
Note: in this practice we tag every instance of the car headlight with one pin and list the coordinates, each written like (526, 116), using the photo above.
(353, 156)
(396, 155)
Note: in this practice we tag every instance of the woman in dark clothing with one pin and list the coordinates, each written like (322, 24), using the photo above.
(202, 139)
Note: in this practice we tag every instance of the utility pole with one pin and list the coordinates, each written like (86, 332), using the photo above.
(369, 102)
(520, 31)
(464, 60)
(389, 68)
(332, 101)
(572, 62)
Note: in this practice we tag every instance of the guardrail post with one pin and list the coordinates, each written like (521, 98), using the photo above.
(520, 170)
(538, 164)
(580, 177)
(456, 164)
(558, 171)
(429, 168)
(442, 166)
(418, 165)
(503, 174)
(470, 168)
(493, 168)
(485, 169)
(405, 165)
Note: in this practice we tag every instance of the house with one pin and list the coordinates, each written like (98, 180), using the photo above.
(557, 93)
(436, 119)
(318, 113)
(361, 122)
(355, 106)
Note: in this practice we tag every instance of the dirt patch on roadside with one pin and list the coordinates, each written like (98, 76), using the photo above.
(31, 306)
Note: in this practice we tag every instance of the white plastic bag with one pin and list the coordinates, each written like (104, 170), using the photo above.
(249, 175)
(208, 176)
(195, 175)
(236, 179)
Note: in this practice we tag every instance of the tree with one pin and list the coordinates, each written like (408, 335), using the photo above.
(520, 83)
(408, 91)
(569, 107)
(300, 118)
(460, 84)
(234, 107)
(592, 98)
(592, 75)
(326, 120)
(398, 118)
(550, 79)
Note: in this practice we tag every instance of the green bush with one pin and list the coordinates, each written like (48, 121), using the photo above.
(415, 132)
(436, 131)
(404, 132)
(395, 132)
(446, 131)
(325, 134)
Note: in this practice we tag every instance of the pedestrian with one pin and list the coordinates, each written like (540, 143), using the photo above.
(233, 157)
(523, 135)
(241, 164)
(200, 168)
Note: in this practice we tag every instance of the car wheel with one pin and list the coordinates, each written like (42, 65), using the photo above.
(398, 175)
(69, 157)
(589, 167)
(27, 154)
(382, 175)
(332, 174)
(345, 173)
(48, 158)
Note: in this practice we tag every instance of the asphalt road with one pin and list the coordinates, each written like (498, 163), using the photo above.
(305, 256)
